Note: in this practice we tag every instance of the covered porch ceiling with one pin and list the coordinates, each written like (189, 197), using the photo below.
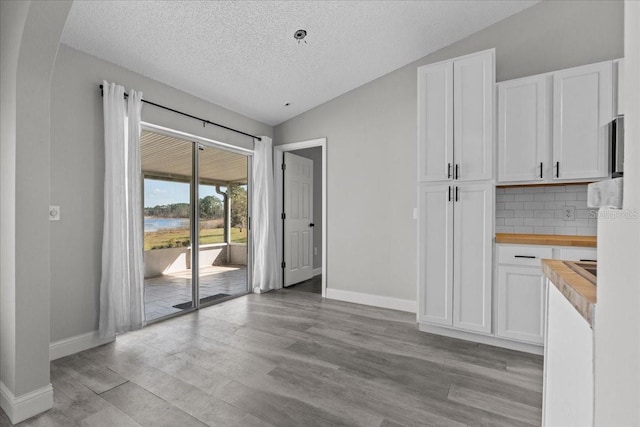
(169, 158)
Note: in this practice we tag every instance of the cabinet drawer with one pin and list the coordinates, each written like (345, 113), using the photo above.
(578, 254)
(523, 255)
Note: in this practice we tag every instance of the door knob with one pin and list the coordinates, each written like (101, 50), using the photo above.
(312, 225)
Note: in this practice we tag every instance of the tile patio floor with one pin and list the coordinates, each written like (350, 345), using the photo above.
(162, 293)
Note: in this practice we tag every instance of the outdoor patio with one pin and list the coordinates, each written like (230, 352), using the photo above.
(162, 293)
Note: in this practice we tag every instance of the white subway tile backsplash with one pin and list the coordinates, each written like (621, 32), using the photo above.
(531, 205)
(514, 221)
(555, 189)
(587, 231)
(504, 214)
(514, 190)
(544, 213)
(534, 221)
(566, 196)
(523, 213)
(534, 189)
(544, 197)
(570, 231)
(554, 205)
(544, 230)
(540, 210)
(514, 205)
(524, 197)
(580, 223)
(555, 222)
(505, 197)
(576, 188)
(585, 213)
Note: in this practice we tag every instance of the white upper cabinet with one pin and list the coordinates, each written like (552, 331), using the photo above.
(473, 92)
(582, 109)
(554, 127)
(435, 122)
(524, 129)
(455, 118)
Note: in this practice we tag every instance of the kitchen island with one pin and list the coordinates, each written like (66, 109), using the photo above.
(568, 393)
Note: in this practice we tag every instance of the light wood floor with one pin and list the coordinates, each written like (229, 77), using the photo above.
(289, 358)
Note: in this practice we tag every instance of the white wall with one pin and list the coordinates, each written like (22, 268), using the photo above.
(617, 321)
(32, 30)
(12, 18)
(371, 138)
(315, 154)
(77, 173)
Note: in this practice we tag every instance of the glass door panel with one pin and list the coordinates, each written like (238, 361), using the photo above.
(223, 221)
(167, 165)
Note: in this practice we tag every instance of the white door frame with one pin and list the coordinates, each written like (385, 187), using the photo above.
(278, 154)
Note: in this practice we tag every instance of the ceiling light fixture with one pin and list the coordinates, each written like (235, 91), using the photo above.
(300, 35)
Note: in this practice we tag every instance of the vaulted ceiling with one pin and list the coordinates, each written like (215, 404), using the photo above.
(242, 55)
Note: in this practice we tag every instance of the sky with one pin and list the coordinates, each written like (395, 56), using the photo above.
(158, 192)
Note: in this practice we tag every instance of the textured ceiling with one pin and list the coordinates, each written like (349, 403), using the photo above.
(242, 54)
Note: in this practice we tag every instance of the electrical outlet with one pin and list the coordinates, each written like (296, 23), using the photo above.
(315, 250)
(54, 213)
(569, 213)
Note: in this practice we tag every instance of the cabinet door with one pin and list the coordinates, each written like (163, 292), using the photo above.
(435, 122)
(435, 253)
(472, 265)
(473, 92)
(520, 307)
(582, 109)
(524, 106)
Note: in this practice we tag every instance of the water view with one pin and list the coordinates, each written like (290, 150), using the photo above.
(157, 224)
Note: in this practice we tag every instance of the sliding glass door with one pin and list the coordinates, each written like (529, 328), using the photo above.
(195, 224)
(223, 221)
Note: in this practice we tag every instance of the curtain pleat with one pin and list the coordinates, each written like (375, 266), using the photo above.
(266, 271)
(122, 281)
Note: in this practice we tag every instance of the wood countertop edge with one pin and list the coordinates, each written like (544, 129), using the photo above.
(580, 293)
(547, 240)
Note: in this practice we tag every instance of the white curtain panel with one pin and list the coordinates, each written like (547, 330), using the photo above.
(266, 271)
(122, 282)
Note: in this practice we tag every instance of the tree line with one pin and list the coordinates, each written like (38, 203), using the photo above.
(210, 208)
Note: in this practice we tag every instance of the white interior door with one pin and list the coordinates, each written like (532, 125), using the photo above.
(298, 219)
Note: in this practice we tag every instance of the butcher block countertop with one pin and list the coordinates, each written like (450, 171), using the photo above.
(547, 240)
(580, 292)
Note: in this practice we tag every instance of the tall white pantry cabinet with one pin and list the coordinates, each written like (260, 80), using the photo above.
(456, 192)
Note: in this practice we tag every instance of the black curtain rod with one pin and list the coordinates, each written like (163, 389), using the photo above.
(190, 116)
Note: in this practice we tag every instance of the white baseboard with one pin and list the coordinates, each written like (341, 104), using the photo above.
(317, 271)
(483, 339)
(374, 300)
(75, 344)
(26, 406)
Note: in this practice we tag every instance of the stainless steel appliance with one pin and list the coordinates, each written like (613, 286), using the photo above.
(617, 146)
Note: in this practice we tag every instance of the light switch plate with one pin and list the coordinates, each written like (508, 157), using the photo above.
(54, 213)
